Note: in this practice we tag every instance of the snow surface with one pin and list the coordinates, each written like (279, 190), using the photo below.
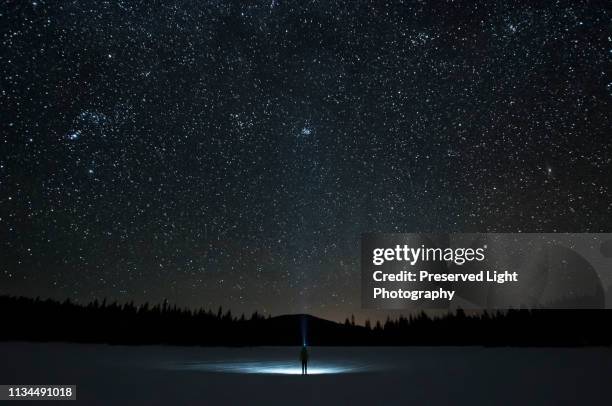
(158, 375)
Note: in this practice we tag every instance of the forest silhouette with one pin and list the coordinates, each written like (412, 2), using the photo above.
(27, 319)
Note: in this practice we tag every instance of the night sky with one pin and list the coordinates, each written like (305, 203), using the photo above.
(231, 153)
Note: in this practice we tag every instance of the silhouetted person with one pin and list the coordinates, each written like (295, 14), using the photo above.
(304, 359)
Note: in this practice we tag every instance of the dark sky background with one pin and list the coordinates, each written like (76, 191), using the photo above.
(231, 153)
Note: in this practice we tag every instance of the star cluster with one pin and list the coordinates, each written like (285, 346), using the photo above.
(231, 153)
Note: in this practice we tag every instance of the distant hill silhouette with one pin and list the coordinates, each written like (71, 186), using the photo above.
(26, 319)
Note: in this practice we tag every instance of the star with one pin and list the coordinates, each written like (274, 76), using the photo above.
(74, 135)
(305, 131)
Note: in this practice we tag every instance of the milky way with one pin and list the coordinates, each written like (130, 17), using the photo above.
(231, 153)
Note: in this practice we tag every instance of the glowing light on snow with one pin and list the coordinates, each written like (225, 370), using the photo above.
(273, 368)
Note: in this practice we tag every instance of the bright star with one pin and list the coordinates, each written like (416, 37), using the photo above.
(74, 135)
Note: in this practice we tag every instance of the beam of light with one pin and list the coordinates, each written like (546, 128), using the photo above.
(273, 368)
(304, 331)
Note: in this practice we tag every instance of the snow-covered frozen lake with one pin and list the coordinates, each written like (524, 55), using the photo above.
(158, 375)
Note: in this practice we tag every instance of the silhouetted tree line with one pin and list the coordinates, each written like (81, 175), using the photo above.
(29, 319)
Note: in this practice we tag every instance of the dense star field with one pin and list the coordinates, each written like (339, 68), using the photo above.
(231, 153)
